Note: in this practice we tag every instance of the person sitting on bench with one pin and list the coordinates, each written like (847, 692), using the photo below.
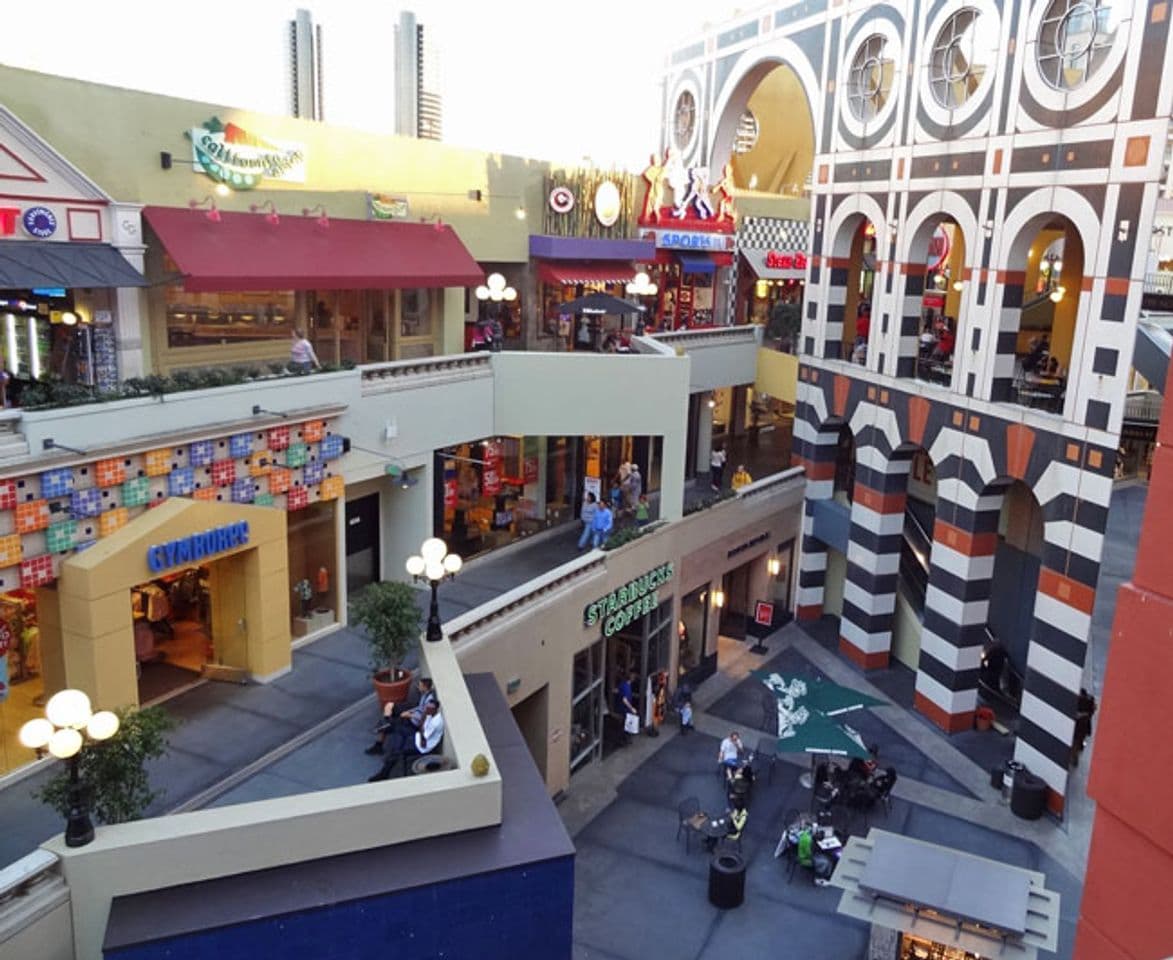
(425, 741)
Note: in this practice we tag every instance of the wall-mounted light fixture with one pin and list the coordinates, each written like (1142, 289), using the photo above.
(988, 228)
(320, 209)
(272, 216)
(958, 285)
(519, 212)
(641, 286)
(773, 566)
(212, 213)
(1056, 295)
(1122, 230)
(712, 402)
(718, 599)
(494, 288)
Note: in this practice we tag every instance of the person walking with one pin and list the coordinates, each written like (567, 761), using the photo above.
(740, 478)
(635, 486)
(602, 524)
(716, 467)
(301, 353)
(589, 508)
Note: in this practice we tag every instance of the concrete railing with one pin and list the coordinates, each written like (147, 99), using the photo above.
(711, 336)
(34, 909)
(243, 838)
(1161, 283)
(429, 371)
(718, 356)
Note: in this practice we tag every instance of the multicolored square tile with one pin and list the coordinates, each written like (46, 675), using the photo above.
(110, 472)
(313, 430)
(57, 482)
(86, 503)
(244, 490)
(279, 480)
(201, 453)
(240, 445)
(61, 536)
(298, 498)
(206, 493)
(312, 472)
(223, 472)
(332, 488)
(112, 520)
(296, 455)
(157, 463)
(32, 516)
(7, 494)
(11, 549)
(278, 438)
(36, 571)
(263, 500)
(135, 492)
(181, 483)
(260, 463)
(331, 447)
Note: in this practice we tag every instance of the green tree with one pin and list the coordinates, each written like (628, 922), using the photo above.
(392, 616)
(114, 771)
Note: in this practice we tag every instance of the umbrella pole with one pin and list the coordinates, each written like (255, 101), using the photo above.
(808, 779)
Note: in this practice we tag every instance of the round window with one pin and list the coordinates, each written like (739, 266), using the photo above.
(684, 120)
(1075, 38)
(869, 83)
(961, 57)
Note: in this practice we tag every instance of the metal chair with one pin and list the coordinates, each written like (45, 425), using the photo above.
(765, 755)
(688, 809)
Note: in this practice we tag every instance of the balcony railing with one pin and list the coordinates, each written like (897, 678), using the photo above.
(1144, 406)
(1159, 283)
(430, 371)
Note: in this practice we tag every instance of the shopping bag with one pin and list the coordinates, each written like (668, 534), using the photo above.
(631, 723)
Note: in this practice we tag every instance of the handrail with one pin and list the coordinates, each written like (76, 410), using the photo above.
(1160, 282)
(424, 365)
(768, 483)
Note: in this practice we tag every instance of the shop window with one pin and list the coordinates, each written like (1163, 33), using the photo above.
(586, 714)
(215, 318)
(312, 538)
(415, 313)
(20, 669)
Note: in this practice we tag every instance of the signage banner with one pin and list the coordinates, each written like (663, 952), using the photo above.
(629, 603)
(785, 261)
(383, 206)
(763, 613)
(241, 159)
(491, 471)
(450, 495)
(530, 470)
(688, 240)
(197, 546)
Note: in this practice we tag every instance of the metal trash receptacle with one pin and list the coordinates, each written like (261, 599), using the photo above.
(727, 880)
(1013, 768)
(1028, 798)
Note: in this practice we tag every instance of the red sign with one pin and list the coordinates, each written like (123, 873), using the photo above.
(491, 471)
(450, 493)
(530, 469)
(763, 613)
(785, 261)
(8, 218)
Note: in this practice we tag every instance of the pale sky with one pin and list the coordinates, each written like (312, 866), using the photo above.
(554, 80)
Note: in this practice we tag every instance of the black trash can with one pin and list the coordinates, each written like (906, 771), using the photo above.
(1013, 770)
(1028, 797)
(996, 774)
(727, 880)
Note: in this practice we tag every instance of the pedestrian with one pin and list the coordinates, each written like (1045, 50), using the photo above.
(617, 494)
(497, 332)
(642, 514)
(601, 525)
(589, 508)
(635, 486)
(716, 467)
(1085, 709)
(741, 477)
(624, 705)
(301, 353)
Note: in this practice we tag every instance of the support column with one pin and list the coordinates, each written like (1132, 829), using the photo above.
(1009, 317)
(836, 306)
(814, 451)
(956, 608)
(910, 293)
(873, 557)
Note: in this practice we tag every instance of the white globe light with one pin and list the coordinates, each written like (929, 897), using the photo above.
(65, 743)
(36, 733)
(496, 295)
(453, 563)
(434, 570)
(415, 566)
(1057, 266)
(641, 279)
(496, 281)
(631, 288)
(103, 725)
(482, 292)
(69, 708)
(652, 289)
(433, 550)
(510, 294)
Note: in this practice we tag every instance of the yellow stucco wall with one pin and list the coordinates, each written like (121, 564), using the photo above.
(785, 150)
(777, 375)
(94, 627)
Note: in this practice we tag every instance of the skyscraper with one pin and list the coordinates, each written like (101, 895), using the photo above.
(305, 67)
(418, 103)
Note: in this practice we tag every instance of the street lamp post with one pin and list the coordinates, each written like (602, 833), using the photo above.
(434, 563)
(67, 714)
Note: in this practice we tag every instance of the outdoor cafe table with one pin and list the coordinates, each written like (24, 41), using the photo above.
(715, 829)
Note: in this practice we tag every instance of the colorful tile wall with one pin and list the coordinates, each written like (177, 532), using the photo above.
(298, 498)
(244, 490)
(260, 464)
(278, 438)
(223, 472)
(110, 472)
(279, 480)
(7, 494)
(181, 483)
(263, 500)
(332, 488)
(36, 571)
(57, 483)
(312, 431)
(331, 448)
(296, 454)
(206, 493)
(312, 472)
(32, 516)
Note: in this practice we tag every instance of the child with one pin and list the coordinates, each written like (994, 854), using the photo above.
(685, 717)
(641, 511)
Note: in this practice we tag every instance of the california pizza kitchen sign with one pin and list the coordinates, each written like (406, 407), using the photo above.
(631, 602)
(241, 159)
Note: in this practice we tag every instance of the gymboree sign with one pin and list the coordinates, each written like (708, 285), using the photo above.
(241, 159)
(630, 602)
(197, 546)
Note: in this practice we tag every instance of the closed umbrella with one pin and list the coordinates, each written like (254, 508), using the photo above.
(599, 303)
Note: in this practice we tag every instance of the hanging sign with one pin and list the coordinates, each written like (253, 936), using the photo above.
(631, 602)
(688, 240)
(241, 159)
(529, 469)
(39, 222)
(450, 492)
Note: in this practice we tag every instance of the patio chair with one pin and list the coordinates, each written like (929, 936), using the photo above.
(765, 756)
(689, 812)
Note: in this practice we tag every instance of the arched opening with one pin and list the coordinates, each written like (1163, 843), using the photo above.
(844, 489)
(940, 245)
(1041, 306)
(916, 551)
(766, 132)
(1014, 581)
(861, 282)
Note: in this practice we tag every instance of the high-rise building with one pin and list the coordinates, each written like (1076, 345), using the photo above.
(305, 67)
(418, 103)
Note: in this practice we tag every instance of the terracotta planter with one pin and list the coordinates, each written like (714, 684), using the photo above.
(391, 690)
(983, 718)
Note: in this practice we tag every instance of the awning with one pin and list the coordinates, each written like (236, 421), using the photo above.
(586, 271)
(692, 263)
(759, 263)
(245, 251)
(32, 263)
(590, 248)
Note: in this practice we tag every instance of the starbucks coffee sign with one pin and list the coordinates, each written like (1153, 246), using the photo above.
(631, 602)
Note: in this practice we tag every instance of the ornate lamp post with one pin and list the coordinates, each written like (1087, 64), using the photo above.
(434, 563)
(67, 714)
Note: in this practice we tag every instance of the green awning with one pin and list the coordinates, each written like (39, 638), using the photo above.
(25, 264)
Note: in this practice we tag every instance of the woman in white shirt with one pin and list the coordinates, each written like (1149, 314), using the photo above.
(301, 354)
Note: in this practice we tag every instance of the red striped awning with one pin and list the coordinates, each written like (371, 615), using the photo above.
(572, 273)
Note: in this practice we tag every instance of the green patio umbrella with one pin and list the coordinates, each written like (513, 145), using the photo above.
(829, 699)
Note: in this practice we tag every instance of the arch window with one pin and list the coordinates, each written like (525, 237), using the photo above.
(869, 82)
(1075, 39)
(961, 57)
(684, 120)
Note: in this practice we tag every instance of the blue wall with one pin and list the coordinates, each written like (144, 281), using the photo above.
(524, 912)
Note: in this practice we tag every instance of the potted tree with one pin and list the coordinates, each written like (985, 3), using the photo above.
(393, 620)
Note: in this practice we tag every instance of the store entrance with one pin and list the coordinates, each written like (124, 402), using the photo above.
(173, 630)
(362, 542)
(639, 652)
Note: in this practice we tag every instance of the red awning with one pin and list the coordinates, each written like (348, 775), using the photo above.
(575, 272)
(245, 251)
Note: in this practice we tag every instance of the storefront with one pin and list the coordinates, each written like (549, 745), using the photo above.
(70, 260)
(771, 273)
(363, 291)
(691, 272)
(144, 553)
(498, 301)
